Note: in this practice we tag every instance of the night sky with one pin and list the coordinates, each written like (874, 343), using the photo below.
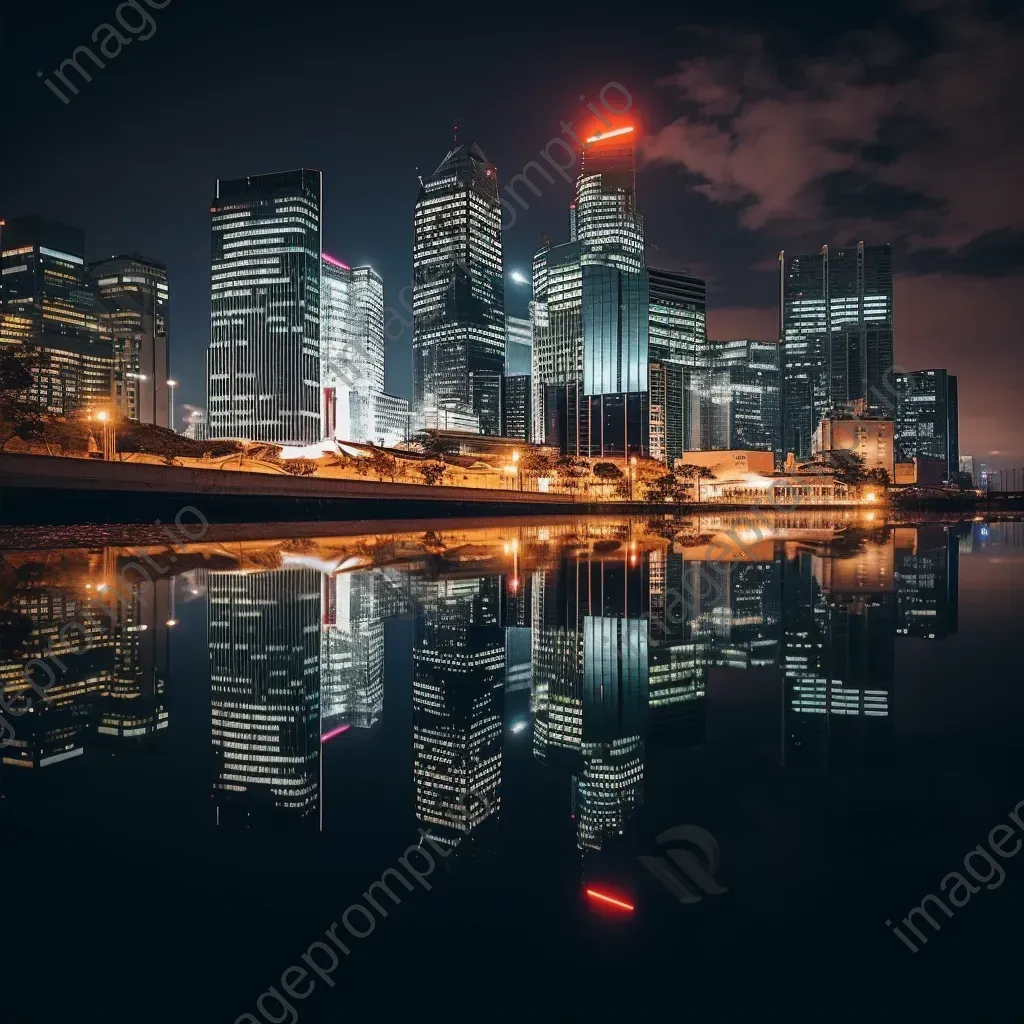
(781, 129)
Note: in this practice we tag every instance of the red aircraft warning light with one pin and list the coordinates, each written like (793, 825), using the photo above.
(610, 901)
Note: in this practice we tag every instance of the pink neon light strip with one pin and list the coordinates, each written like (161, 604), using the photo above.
(334, 732)
(335, 263)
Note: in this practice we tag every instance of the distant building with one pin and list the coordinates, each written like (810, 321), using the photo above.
(871, 439)
(134, 315)
(48, 309)
(518, 346)
(263, 363)
(458, 289)
(967, 466)
(837, 332)
(741, 403)
(927, 417)
(515, 407)
(674, 410)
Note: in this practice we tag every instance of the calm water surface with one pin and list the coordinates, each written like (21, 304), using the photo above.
(229, 743)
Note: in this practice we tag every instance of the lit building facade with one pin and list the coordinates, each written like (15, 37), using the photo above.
(516, 394)
(458, 289)
(928, 418)
(871, 439)
(591, 311)
(48, 308)
(134, 316)
(518, 346)
(352, 352)
(837, 333)
(741, 403)
(263, 362)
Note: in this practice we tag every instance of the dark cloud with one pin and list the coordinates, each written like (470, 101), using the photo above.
(924, 118)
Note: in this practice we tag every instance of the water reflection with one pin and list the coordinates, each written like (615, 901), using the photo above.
(596, 637)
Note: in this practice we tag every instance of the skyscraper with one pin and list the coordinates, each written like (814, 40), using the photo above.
(928, 417)
(263, 363)
(678, 354)
(518, 345)
(837, 332)
(591, 310)
(351, 350)
(741, 404)
(458, 290)
(48, 308)
(134, 314)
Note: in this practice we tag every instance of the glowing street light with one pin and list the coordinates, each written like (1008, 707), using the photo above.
(515, 468)
(172, 384)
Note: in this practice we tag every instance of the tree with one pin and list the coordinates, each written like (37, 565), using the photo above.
(536, 463)
(432, 472)
(690, 471)
(66, 435)
(432, 443)
(607, 471)
(878, 476)
(300, 467)
(384, 464)
(19, 417)
(666, 488)
(571, 469)
(362, 465)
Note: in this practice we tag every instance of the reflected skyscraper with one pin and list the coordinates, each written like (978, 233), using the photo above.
(927, 581)
(264, 641)
(458, 704)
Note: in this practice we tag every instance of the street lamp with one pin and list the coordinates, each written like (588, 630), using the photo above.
(515, 466)
(632, 474)
(109, 434)
(172, 384)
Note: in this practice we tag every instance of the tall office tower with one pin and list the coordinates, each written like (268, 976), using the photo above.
(263, 363)
(351, 652)
(48, 310)
(678, 357)
(516, 395)
(518, 346)
(134, 314)
(927, 581)
(837, 333)
(351, 350)
(741, 404)
(458, 292)
(458, 693)
(592, 311)
(264, 641)
(928, 418)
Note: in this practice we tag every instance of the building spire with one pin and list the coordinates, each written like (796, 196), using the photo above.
(455, 134)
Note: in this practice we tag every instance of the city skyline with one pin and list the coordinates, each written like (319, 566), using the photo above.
(970, 279)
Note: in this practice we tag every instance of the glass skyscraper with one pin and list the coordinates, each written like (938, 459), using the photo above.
(928, 417)
(837, 331)
(458, 290)
(741, 404)
(48, 306)
(518, 346)
(263, 363)
(351, 348)
(134, 314)
(591, 310)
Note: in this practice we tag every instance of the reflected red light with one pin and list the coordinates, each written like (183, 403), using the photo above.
(334, 732)
(610, 900)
